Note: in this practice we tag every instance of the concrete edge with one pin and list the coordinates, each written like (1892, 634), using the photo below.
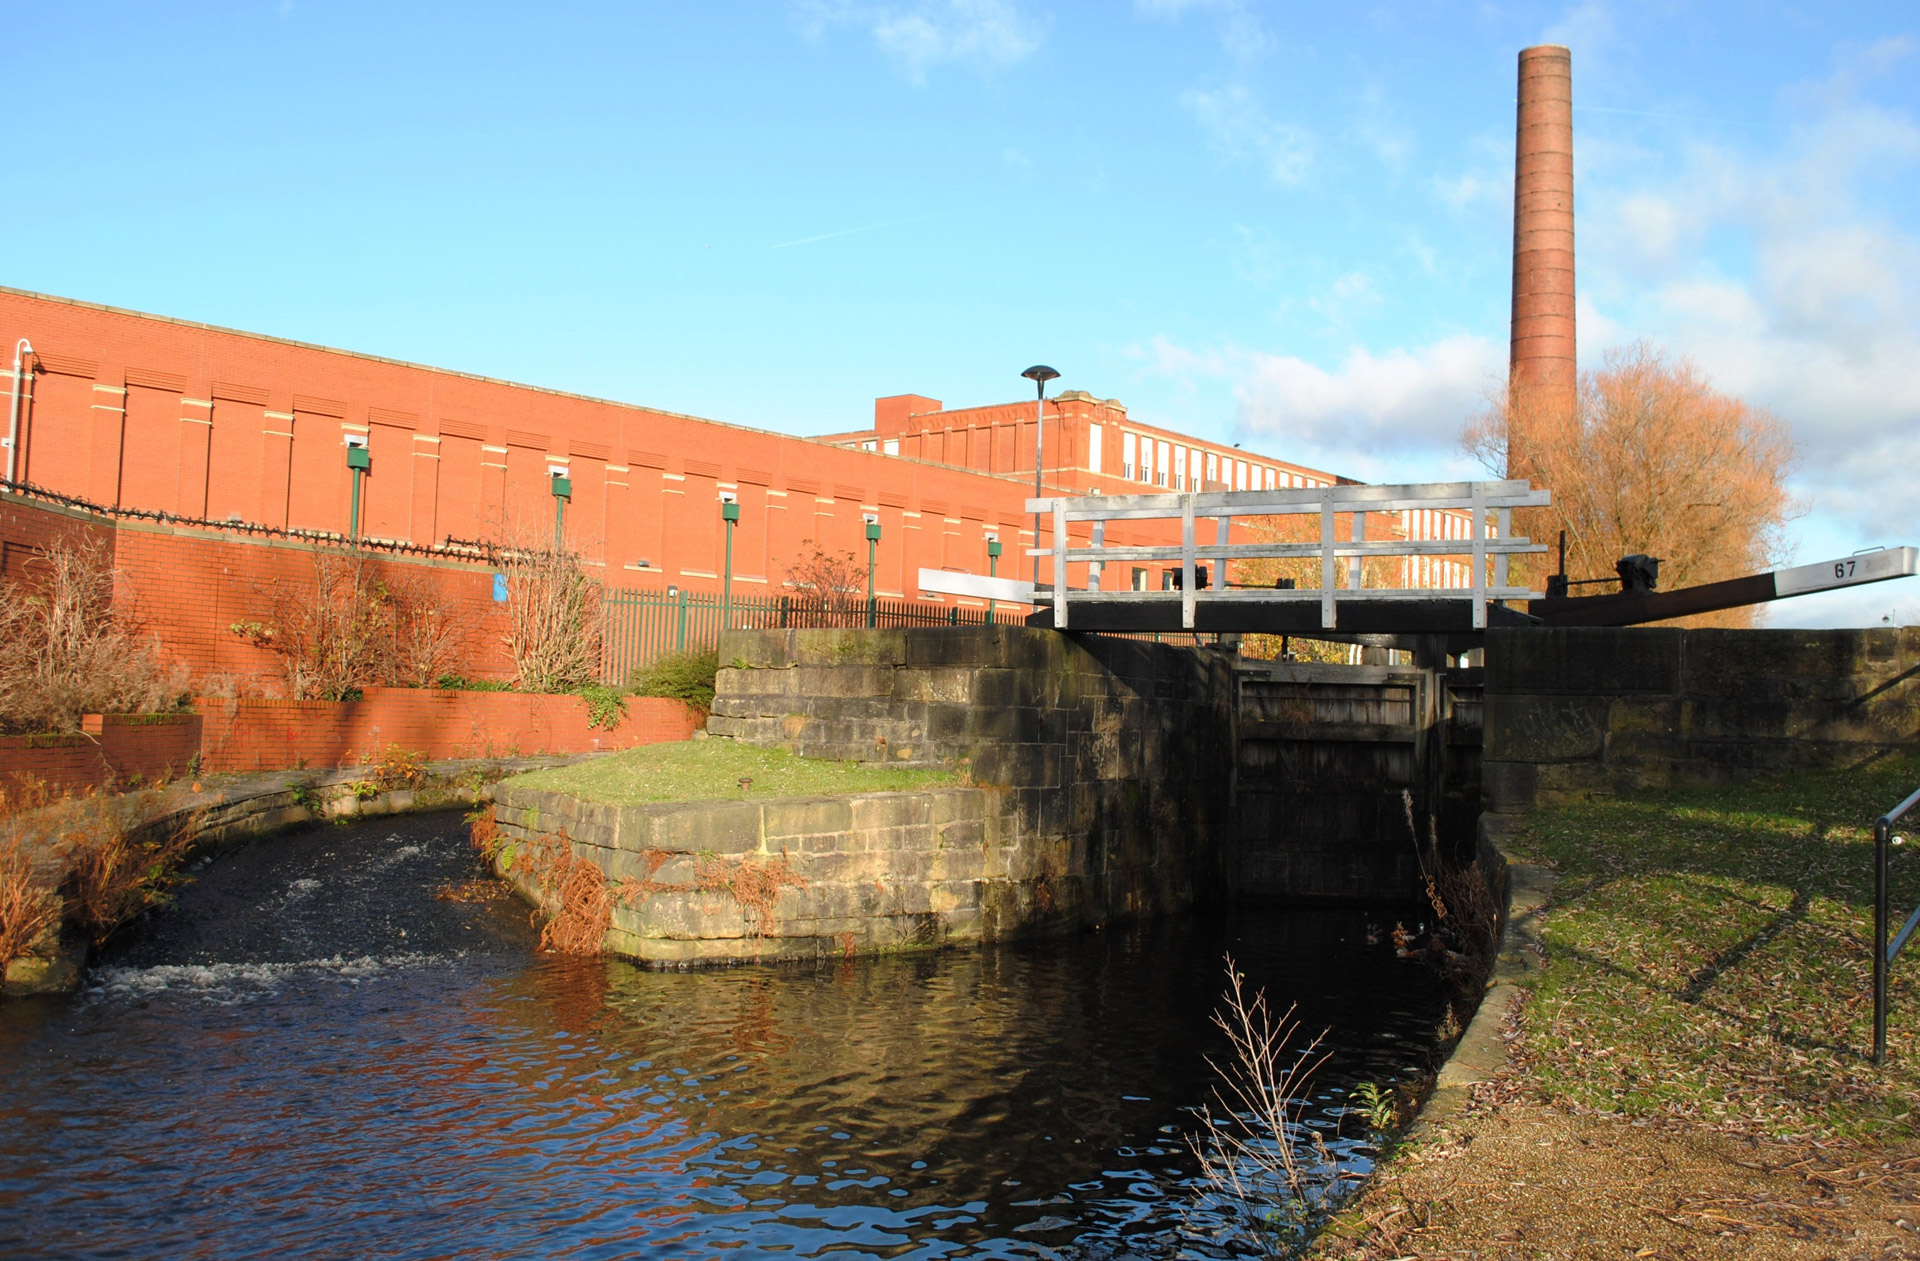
(262, 804)
(1482, 1050)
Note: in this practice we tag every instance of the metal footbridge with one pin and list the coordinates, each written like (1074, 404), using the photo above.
(1305, 525)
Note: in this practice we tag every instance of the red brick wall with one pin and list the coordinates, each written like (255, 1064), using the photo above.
(113, 749)
(144, 411)
(116, 750)
(268, 735)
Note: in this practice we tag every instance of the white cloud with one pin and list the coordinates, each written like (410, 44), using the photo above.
(917, 37)
(1239, 128)
(1241, 32)
(1782, 278)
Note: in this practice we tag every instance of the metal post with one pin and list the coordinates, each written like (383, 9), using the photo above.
(353, 518)
(1039, 374)
(730, 513)
(1882, 844)
(680, 634)
(873, 542)
(1356, 574)
(993, 571)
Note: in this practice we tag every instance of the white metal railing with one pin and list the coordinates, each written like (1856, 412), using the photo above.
(1489, 506)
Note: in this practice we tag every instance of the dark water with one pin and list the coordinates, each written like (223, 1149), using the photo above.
(313, 1055)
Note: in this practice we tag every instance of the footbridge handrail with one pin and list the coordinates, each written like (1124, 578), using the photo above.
(1885, 952)
(1486, 540)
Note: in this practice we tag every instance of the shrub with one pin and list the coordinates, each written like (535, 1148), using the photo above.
(683, 676)
(69, 652)
(553, 620)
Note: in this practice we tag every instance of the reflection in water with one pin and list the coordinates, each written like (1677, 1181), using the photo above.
(315, 1055)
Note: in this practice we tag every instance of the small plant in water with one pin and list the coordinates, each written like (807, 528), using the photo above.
(1376, 1104)
(1268, 1180)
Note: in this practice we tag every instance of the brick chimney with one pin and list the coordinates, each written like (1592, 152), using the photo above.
(1544, 374)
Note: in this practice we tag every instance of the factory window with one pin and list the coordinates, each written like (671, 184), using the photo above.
(1239, 474)
(892, 446)
(1213, 468)
(1179, 468)
(1270, 485)
(1126, 455)
(1146, 459)
(1139, 580)
(1162, 462)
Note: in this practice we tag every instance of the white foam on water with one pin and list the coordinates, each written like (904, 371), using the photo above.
(301, 888)
(241, 982)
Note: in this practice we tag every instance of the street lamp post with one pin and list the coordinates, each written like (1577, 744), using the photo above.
(993, 571)
(730, 513)
(562, 491)
(1039, 374)
(360, 461)
(873, 541)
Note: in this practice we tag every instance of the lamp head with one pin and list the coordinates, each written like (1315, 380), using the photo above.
(1040, 373)
(730, 510)
(993, 548)
(873, 531)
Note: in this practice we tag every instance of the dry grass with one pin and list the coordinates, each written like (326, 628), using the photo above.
(69, 650)
(123, 864)
(29, 911)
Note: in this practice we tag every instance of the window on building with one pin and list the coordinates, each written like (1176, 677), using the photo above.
(1146, 459)
(1162, 461)
(1139, 580)
(1179, 468)
(1270, 475)
(868, 445)
(1239, 474)
(1213, 468)
(891, 447)
(1127, 455)
(1093, 448)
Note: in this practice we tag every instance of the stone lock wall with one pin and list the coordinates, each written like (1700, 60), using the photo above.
(1577, 712)
(1098, 779)
(1117, 752)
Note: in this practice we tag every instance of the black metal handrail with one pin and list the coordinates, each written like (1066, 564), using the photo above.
(1884, 952)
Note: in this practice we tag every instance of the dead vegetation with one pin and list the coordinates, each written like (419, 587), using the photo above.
(29, 911)
(353, 626)
(70, 650)
(1268, 1181)
(577, 902)
(833, 583)
(553, 619)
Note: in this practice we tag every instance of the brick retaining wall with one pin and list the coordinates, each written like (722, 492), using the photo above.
(255, 735)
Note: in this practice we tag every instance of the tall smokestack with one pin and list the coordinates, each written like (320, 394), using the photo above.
(1543, 375)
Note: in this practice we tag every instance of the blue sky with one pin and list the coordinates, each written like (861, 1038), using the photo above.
(1287, 225)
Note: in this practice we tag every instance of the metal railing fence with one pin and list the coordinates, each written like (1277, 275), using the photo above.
(638, 628)
(1885, 952)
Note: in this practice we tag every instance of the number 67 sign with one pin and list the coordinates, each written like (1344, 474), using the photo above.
(1877, 566)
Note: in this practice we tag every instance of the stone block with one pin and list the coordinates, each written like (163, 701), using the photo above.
(794, 817)
(1507, 787)
(889, 810)
(708, 827)
(683, 915)
(950, 805)
(878, 647)
(948, 685)
(854, 681)
(1583, 661)
(1545, 727)
(732, 685)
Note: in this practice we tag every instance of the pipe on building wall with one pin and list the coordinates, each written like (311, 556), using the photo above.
(1544, 372)
(21, 349)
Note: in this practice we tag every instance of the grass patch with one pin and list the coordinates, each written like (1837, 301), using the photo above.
(705, 770)
(1710, 957)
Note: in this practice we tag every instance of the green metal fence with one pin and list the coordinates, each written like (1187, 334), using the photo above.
(640, 627)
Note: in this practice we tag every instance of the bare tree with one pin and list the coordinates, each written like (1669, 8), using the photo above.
(70, 650)
(834, 581)
(1655, 461)
(553, 620)
(333, 635)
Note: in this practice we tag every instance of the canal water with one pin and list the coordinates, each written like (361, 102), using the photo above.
(340, 1043)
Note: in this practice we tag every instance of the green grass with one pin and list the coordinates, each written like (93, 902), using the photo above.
(706, 770)
(1710, 957)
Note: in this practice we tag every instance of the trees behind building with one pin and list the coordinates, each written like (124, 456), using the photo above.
(1654, 460)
